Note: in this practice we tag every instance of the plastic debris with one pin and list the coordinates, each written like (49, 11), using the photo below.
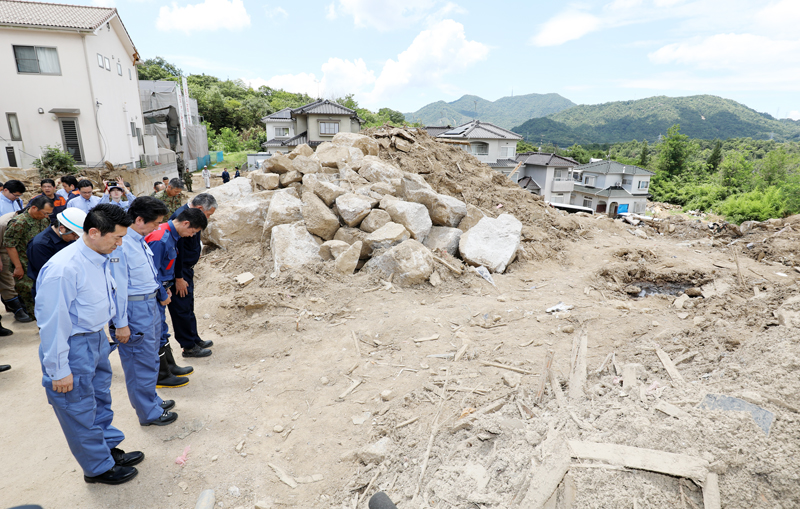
(559, 308)
(484, 273)
(181, 460)
(763, 418)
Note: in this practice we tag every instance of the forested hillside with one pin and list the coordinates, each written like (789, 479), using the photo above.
(505, 112)
(702, 116)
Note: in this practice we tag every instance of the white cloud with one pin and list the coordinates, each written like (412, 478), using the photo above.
(794, 115)
(567, 26)
(330, 11)
(275, 12)
(384, 16)
(439, 51)
(730, 51)
(207, 16)
(341, 77)
(303, 83)
(780, 17)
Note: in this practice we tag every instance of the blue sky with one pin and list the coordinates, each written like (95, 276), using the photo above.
(404, 54)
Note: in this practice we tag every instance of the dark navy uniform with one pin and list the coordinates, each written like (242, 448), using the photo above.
(40, 250)
(181, 309)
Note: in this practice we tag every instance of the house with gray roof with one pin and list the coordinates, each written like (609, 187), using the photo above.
(545, 174)
(312, 124)
(491, 144)
(68, 79)
(611, 187)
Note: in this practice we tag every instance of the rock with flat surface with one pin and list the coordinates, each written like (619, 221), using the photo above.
(474, 215)
(492, 243)
(291, 177)
(278, 163)
(374, 220)
(236, 221)
(265, 181)
(293, 247)
(234, 190)
(384, 188)
(351, 236)
(444, 238)
(410, 262)
(283, 209)
(355, 159)
(376, 170)
(411, 182)
(444, 210)
(306, 165)
(367, 145)
(353, 208)
(387, 236)
(330, 249)
(327, 191)
(414, 216)
(318, 217)
(303, 150)
(350, 176)
(347, 262)
(332, 156)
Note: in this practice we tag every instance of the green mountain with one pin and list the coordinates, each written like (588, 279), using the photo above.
(505, 112)
(700, 116)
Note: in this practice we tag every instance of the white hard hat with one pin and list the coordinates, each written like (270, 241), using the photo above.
(73, 219)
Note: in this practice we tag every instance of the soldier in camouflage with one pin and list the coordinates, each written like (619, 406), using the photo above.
(171, 196)
(184, 174)
(20, 231)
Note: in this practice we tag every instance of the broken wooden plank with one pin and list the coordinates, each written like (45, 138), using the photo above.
(433, 337)
(350, 389)
(406, 423)
(671, 410)
(604, 363)
(283, 476)
(686, 357)
(448, 265)
(548, 362)
(672, 371)
(547, 475)
(629, 378)
(467, 421)
(556, 386)
(577, 372)
(711, 498)
(503, 366)
(678, 465)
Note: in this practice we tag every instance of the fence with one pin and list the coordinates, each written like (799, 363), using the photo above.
(203, 161)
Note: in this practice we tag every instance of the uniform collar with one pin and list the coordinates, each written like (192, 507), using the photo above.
(134, 235)
(171, 229)
(93, 256)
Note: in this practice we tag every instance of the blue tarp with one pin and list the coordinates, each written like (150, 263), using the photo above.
(203, 161)
(622, 209)
(220, 156)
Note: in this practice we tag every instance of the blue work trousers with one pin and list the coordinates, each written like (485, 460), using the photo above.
(181, 309)
(85, 412)
(164, 332)
(139, 357)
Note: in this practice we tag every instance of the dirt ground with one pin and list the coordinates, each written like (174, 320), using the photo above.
(284, 352)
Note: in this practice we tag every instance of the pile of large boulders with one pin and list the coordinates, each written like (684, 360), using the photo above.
(345, 205)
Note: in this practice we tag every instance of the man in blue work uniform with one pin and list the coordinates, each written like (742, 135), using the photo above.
(75, 301)
(67, 229)
(10, 197)
(181, 307)
(226, 177)
(163, 242)
(137, 323)
(85, 201)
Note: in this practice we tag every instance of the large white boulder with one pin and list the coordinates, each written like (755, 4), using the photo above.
(319, 219)
(332, 156)
(409, 183)
(367, 145)
(474, 215)
(264, 181)
(278, 163)
(348, 175)
(301, 150)
(331, 249)
(414, 216)
(355, 158)
(353, 208)
(327, 191)
(444, 238)
(376, 170)
(374, 220)
(291, 177)
(410, 262)
(387, 236)
(236, 189)
(492, 243)
(235, 222)
(444, 210)
(293, 247)
(351, 236)
(306, 165)
(347, 261)
(283, 209)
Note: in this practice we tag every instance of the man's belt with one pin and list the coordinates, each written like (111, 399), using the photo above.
(135, 298)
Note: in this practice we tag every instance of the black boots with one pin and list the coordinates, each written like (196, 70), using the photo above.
(174, 368)
(166, 380)
(15, 306)
(4, 331)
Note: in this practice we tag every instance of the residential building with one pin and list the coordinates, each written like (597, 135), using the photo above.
(548, 175)
(68, 79)
(611, 187)
(491, 144)
(312, 124)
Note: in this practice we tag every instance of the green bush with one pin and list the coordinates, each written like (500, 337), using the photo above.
(754, 206)
(55, 163)
(704, 196)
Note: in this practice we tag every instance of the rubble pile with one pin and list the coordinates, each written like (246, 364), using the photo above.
(345, 204)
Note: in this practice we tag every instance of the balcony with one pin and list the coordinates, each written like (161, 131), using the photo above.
(563, 186)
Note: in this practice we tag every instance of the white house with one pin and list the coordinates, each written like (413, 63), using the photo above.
(546, 174)
(611, 187)
(68, 79)
(491, 144)
(313, 124)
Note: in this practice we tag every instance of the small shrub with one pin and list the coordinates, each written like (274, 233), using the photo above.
(754, 206)
(55, 163)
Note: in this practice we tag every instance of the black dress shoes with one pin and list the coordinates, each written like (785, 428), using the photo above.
(196, 351)
(166, 418)
(126, 459)
(4, 367)
(117, 475)
(5, 332)
(205, 344)
(168, 404)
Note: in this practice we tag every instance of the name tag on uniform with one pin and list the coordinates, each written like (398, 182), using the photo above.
(114, 260)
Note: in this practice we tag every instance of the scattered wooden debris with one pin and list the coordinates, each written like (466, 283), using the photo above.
(577, 372)
(245, 278)
(678, 465)
(548, 474)
(350, 389)
(671, 410)
(545, 376)
(672, 371)
(510, 368)
(283, 476)
(433, 337)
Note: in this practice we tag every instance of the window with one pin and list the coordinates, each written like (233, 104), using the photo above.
(589, 181)
(507, 152)
(13, 127)
(644, 184)
(100, 61)
(480, 149)
(133, 129)
(71, 136)
(130, 74)
(119, 69)
(557, 198)
(108, 64)
(626, 182)
(37, 60)
(139, 136)
(329, 128)
(587, 202)
(282, 131)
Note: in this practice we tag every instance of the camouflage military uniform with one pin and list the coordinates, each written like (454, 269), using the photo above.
(20, 231)
(173, 203)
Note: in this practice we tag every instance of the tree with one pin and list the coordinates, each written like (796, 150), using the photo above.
(394, 116)
(158, 69)
(774, 168)
(715, 158)
(54, 163)
(644, 156)
(736, 173)
(524, 146)
(673, 158)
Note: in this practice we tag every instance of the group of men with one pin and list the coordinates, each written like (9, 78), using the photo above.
(116, 264)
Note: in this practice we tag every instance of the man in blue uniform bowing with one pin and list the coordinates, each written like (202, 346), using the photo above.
(163, 242)
(75, 300)
(137, 323)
